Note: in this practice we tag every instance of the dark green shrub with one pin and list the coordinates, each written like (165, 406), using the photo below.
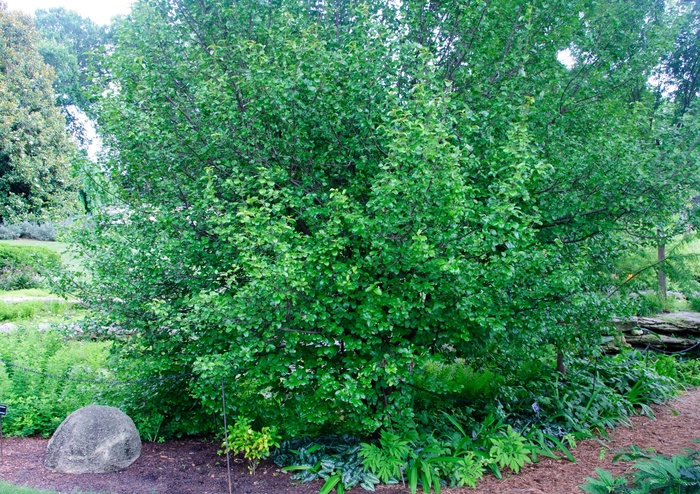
(23, 266)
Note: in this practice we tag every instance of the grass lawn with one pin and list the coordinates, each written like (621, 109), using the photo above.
(28, 293)
(60, 247)
(6, 488)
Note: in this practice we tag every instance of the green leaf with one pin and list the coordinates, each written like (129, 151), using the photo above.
(331, 482)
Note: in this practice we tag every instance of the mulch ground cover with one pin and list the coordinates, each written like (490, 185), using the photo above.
(193, 466)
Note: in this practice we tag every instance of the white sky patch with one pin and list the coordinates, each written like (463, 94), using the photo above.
(99, 12)
(566, 58)
(92, 143)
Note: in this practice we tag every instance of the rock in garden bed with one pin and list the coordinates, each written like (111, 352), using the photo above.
(673, 332)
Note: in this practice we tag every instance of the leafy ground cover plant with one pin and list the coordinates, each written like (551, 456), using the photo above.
(334, 458)
(254, 445)
(454, 446)
(654, 474)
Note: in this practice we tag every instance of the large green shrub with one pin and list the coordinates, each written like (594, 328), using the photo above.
(316, 199)
(23, 266)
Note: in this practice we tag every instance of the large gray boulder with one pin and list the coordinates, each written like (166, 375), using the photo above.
(93, 439)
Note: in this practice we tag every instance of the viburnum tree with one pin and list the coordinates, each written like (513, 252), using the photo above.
(316, 198)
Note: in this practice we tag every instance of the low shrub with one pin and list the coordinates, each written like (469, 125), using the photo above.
(28, 229)
(24, 267)
(254, 445)
(10, 232)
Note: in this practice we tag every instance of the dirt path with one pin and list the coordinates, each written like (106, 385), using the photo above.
(192, 467)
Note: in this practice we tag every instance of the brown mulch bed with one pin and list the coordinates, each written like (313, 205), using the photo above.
(193, 467)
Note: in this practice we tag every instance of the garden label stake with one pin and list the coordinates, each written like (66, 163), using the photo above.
(228, 461)
(3, 412)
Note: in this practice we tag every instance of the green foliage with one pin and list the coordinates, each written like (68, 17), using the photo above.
(387, 459)
(24, 267)
(652, 303)
(469, 470)
(331, 196)
(594, 395)
(655, 474)
(254, 445)
(605, 483)
(17, 489)
(457, 459)
(66, 45)
(35, 152)
(38, 404)
(640, 267)
(446, 380)
(458, 448)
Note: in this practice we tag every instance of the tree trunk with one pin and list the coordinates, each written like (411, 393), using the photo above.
(662, 274)
(561, 368)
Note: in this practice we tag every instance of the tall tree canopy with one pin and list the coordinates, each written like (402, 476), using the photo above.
(35, 172)
(68, 41)
(320, 197)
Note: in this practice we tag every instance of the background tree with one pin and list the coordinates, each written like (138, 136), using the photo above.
(73, 46)
(70, 44)
(679, 78)
(35, 172)
(319, 198)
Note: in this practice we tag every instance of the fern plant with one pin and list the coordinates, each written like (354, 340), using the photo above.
(388, 459)
(605, 483)
(655, 474)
